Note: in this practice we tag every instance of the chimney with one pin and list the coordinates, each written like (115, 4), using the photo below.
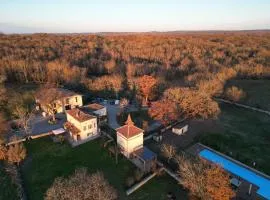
(78, 113)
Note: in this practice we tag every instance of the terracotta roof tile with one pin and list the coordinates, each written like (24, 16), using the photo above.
(129, 130)
(94, 106)
(69, 126)
(80, 115)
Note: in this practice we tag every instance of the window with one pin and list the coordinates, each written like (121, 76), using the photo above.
(88, 134)
(76, 99)
(94, 125)
(89, 126)
(67, 100)
(84, 128)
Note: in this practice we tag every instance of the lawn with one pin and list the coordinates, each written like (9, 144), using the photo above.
(257, 92)
(7, 188)
(245, 136)
(48, 160)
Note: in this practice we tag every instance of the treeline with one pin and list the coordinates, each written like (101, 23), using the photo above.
(113, 62)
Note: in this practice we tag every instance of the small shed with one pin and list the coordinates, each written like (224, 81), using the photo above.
(144, 158)
(179, 130)
(58, 135)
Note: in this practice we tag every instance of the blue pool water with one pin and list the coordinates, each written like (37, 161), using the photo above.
(250, 176)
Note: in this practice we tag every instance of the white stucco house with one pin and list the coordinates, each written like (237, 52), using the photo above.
(130, 143)
(67, 100)
(98, 110)
(81, 126)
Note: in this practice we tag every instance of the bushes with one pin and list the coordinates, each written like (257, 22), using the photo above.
(135, 178)
(235, 94)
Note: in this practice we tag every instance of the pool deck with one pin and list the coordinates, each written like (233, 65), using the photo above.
(242, 191)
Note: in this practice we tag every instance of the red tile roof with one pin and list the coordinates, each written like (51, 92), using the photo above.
(80, 115)
(129, 130)
(94, 106)
(69, 126)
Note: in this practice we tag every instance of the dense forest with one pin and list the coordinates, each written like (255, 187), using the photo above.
(111, 63)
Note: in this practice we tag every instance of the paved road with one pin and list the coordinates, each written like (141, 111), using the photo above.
(112, 111)
(40, 124)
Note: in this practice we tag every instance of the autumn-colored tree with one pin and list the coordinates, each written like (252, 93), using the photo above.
(204, 181)
(193, 103)
(83, 186)
(3, 131)
(146, 84)
(164, 111)
(16, 153)
(50, 97)
(3, 95)
(168, 151)
(234, 94)
(217, 182)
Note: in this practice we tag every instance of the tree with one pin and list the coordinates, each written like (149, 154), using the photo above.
(204, 181)
(123, 104)
(24, 112)
(3, 96)
(164, 111)
(3, 131)
(146, 84)
(16, 153)
(217, 183)
(193, 103)
(168, 151)
(81, 186)
(50, 97)
(234, 93)
(3, 152)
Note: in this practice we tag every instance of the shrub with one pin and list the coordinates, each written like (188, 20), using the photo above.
(138, 175)
(234, 93)
(130, 181)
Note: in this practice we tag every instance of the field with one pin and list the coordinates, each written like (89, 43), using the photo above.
(7, 189)
(49, 160)
(245, 136)
(257, 92)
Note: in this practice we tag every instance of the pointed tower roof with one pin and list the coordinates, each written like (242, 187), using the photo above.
(129, 121)
(129, 129)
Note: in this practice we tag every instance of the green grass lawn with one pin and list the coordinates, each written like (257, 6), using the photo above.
(49, 160)
(257, 92)
(246, 134)
(7, 188)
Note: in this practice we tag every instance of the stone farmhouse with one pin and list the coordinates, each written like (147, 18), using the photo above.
(67, 100)
(81, 126)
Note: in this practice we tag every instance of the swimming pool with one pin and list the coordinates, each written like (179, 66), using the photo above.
(250, 176)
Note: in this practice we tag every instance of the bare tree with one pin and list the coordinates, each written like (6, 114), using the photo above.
(3, 131)
(81, 186)
(50, 98)
(168, 151)
(123, 104)
(16, 153)
(203, 180)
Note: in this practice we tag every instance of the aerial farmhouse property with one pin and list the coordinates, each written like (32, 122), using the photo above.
(130, 142)
(63, 100)
(82, 126)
